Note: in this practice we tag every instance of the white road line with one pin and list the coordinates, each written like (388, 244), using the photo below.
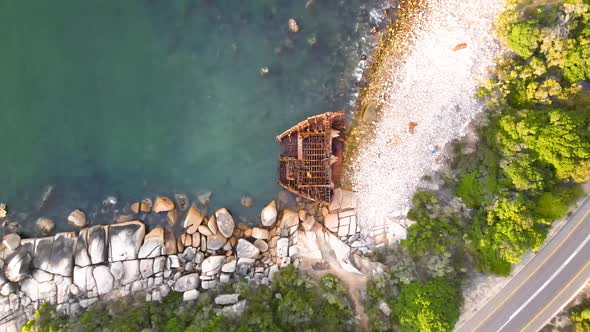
(569, 259)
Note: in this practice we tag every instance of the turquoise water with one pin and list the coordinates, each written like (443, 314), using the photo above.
(135, 98)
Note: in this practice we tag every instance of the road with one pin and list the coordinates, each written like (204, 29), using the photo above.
(544, 286)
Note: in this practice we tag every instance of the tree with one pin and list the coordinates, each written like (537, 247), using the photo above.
(428, 307)
(524, 37)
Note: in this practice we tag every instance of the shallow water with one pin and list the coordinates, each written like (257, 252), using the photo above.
(135, 98)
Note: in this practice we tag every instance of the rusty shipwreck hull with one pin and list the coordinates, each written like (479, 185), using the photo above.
(310, 164)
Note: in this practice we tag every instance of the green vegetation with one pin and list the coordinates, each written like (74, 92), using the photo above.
(580, 316)
(294, 302)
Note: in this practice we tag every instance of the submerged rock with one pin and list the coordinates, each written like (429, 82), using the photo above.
(181, 201)
(77, 218)
(45, 225)
(247, 201)
(293, 26)
(268, 215)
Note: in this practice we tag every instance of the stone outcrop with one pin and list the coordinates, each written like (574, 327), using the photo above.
(74, 270)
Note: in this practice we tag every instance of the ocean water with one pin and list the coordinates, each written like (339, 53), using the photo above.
(137, 98)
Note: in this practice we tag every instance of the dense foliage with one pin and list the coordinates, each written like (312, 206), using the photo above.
(580, 316)
(293, 302)
(535, 147)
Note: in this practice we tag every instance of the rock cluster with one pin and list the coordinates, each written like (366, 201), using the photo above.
(76, 269)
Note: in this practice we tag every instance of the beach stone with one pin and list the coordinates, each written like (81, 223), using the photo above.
(212, 225)
(172, 217)
(227, 299)
(216, 242)
(81, 256)
(205, 230)
(104, 279)
(190, 295)
(163, 204)
(247, 201)
(170, 243)
(187, 282)
(261, 245)
(125, 240)
(212, 265)
(260, 233)
(193, 219)
(225, 222)
(77, 218)
(153, 244)
(268, 215)
(18, 266)
(97, 246)
(283, 247)
(11, 241)
(130, 272)
(45, 225)
(245, 249)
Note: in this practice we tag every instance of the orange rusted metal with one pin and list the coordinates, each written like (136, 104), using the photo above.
(310, 164)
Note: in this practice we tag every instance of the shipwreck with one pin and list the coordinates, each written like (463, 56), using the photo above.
(310, 164)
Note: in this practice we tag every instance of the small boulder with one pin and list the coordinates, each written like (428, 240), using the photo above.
(227, 299)
(187, 283)
(45, 225)
(193, 219)
(77, 218)
(225, 222)
(11, 241)
(216, 242)
(190, 295)
(212, 225)
(245, 249)
(212, 265)
(261, 245)
(260, 233)
(204, 197)
(163, 204)
(268, 216)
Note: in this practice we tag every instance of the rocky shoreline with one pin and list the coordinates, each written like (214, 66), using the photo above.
(73, 270)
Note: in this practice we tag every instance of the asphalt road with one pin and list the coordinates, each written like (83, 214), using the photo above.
(544, 286)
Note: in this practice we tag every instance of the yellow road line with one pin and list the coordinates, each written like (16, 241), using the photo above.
(578, 223)
(556, 296)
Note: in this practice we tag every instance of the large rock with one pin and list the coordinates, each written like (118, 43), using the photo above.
(80, 277)
(260, 233)
(125, 240)
(193, 219)
(187, 282)
(225, 222)
(245, 249)
(30, 287)
(289, 222)
(18, 266)
(62, 254)
(215, 242)
(42, 254)
(77, 218)
(130, 272)
(227, 299)
(153, 244)
(11, 241)
(97, 244)
(104, 279)
(163, 204)
(212, 265)
(81, 256)
(268, 215)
